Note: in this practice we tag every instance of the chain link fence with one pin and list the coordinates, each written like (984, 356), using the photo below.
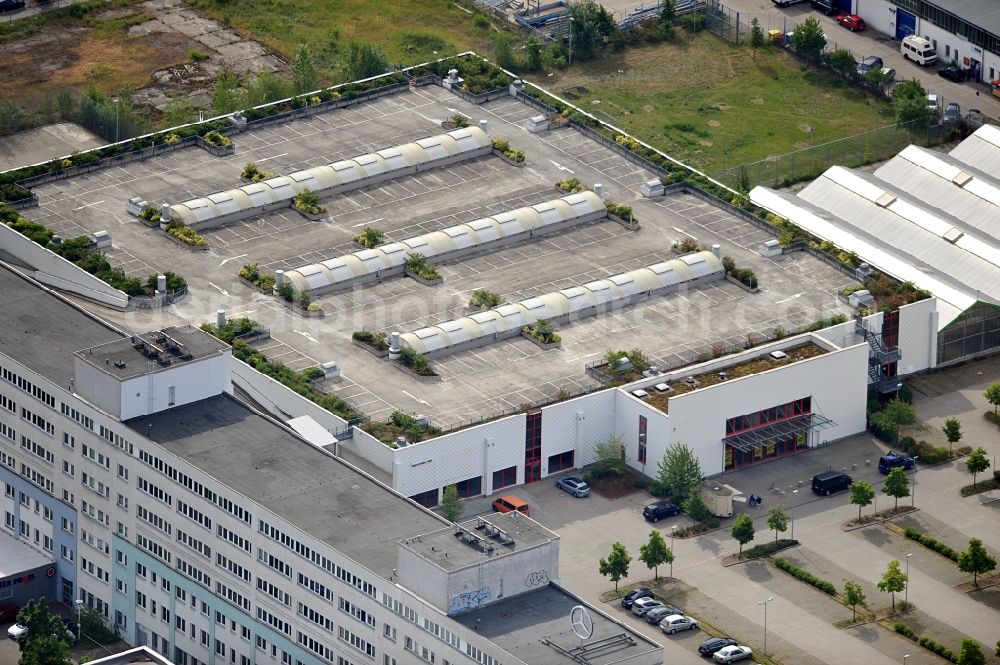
(872, 146)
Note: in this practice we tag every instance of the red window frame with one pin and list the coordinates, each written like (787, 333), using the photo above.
(643, 428)
(769, 416)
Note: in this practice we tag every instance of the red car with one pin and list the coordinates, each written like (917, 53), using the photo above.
(8, 613)
(851, 21)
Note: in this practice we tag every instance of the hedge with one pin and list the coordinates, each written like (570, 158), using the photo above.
(764, 549)
(925, 642)
(805, 576)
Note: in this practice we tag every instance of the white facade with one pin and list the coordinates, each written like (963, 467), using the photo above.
(883, 16)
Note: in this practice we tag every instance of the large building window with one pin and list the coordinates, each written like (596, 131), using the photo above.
(561, 461)
(470, 487)
(642, 439)
(505, 477)
(533, 447)
(799, 407)
(427, 499)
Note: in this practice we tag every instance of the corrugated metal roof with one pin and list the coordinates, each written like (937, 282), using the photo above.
(984, 14)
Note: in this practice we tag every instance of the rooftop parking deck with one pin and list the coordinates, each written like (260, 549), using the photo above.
(796, 289)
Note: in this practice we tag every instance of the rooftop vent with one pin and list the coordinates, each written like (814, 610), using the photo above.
(961, 178)
(778, 355)
(723, 376)
(120, 364)
(689, 380)
(885, 200)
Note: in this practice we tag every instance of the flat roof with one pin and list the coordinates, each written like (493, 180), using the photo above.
(980, 13)
(41, 330)
(311, 489)
(522, 624)
(497, 535)
(156, 351)
(17, 558)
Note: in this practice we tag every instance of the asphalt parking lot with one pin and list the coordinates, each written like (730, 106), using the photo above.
(796, 289)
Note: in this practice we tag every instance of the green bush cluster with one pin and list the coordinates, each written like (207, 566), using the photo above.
(10, 191)
(416, 361)
(217, 139)
(620, 211)
(293, 380)
(765, 549)
(251, 272)
(479, 76)
(308, 202)
(187, 235)
(927, 453)
(233, 328)
(744, 275)
(417, 265)
(484, 299)
(400, 424)
(150, 214)
(254, 174)
(820, 324)
(805, 576)
(570, 185)
(544, 334)
(370, 237)
(925, 642)
(378, 340)
(927, 541)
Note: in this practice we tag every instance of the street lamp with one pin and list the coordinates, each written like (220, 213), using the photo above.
(904, 658)
(569, 61)
(764, 603)
(913, 490)
(672, 555)
(118, 108)
(906, 589)
(79, 606)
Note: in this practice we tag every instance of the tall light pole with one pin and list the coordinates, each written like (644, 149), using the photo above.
(906, 589)
(569, 61)
(904, 658)
(79, 606)
(672, 555)
(764, 603)
(913, 490)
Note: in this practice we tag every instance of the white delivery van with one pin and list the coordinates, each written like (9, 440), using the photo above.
(918, 49)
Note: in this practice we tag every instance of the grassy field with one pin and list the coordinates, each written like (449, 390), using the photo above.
(409, 31)
(698, 97)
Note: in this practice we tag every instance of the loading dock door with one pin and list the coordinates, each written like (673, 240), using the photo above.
(906, 24)
(842, 6)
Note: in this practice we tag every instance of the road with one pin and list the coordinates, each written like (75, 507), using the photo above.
(869, 42)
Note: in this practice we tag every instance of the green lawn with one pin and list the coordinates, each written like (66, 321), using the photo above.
(700, 96)
(409, 31)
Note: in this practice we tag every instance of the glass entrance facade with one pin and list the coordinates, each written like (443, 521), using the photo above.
(769, 433)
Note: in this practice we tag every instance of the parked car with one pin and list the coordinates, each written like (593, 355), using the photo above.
(891, 460)
(634, 595)
(830, 481)
(658, 614)
(952, 112)
(11, 5)
(852, 22)
(677, 622)
(952, 73)
(889, 74)
(934, 105)
(643, 605)
(506, 504)
(575, 486)
(825, 6)
(655, 512)
(710, 646)
(8, 612)
(918, 49)
(868, 64)
(732, 654)
(19, 630)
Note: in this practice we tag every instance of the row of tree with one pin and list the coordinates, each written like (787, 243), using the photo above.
(654, 553)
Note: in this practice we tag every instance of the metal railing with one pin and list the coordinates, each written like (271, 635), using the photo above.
(158, 301)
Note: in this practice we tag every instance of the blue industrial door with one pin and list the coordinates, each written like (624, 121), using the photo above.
(842, 6)
(906, 24)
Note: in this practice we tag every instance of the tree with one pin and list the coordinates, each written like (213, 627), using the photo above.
(668, 14)
(679, 473)
(971, 653)
(897, 485)
(696, 509)
(305, 75)
(45, 642)
(976, 463)
(952, 431)
(756, 37)
(893, 581)
(777, 520)
(592, 26)
(895, 414)
(533, 49)
(610, 457)
(742, 530)
(909, 101)
(224, 97)
(364, 60)
(854, 595)
(615, 359)
(655, 552)
(842, 61)
(976, 560)
(451, 505)
(992, 396)
(876, 78)
(862, 494)
(503, 53)
(615, 566)
(808, 38)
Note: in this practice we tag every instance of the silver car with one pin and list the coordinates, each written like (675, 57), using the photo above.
(573, 485)
(643, 605)
(677, 622)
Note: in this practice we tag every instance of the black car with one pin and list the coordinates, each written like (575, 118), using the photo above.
(891, 460)
(710, 646)
(634, 595)
(655, 512)
(11, 5)
(952, 73)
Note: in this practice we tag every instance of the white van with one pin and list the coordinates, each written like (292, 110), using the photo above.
(918, 49)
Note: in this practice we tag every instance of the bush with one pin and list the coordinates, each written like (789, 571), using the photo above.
(197, 55)
(217, 139)
(417, 265)
(483, 299)
(379, 340)
(187, 235)
(805, 576)
(620, 211)
(570, 185)
(459, 121)
(286, 291)
(150, 214)
(370, 238)
(728, 264)
(745, 275)
(687, 245)
(235, 327)
(308, 202)
(904, 630)
(765, 549)
(931, 543)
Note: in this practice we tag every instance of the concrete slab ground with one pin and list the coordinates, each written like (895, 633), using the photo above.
(796, 289)
(44, 143)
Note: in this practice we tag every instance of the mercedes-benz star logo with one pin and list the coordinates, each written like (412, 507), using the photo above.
(583, 624)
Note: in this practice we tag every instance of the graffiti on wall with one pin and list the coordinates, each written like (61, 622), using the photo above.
(537, 578)
(469, 600)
